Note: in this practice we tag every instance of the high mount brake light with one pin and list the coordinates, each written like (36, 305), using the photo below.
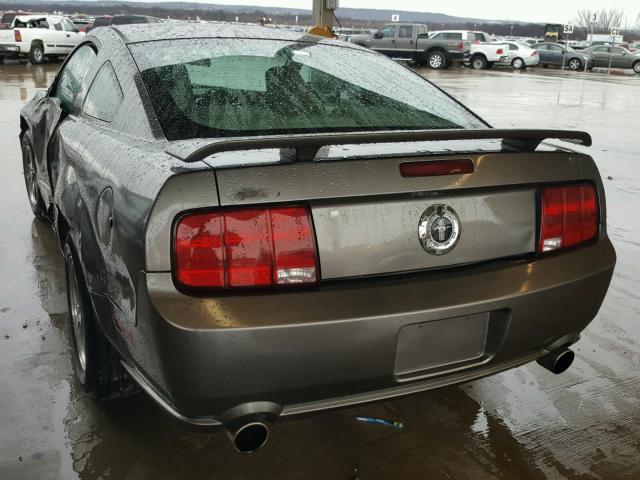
(250, 247)
(436, 168)
(568, 216)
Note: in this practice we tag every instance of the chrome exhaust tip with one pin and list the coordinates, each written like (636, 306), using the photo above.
(557, 361)
(249, 437)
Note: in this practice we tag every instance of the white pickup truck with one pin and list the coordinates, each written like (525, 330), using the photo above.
(39, 37)
(483, 52)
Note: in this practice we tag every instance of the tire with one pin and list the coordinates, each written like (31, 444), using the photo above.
(95, 362)
(518, 64)
(479, 62)
(436, 60)
(36, 54)
(636, 67)
(31, 178)
(574, 64)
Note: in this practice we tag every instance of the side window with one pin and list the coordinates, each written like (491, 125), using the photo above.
(617, 50)
(105, 95)
(41, 23)
(57, 26)
(405, 31)
(389, 31)
(68, 25)
(513, 46)
(438, 36)
(72, 77)
(453, 36)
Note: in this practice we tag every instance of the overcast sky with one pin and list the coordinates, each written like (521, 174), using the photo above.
(536, 11)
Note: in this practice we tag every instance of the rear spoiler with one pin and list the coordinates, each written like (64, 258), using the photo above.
(305, 147)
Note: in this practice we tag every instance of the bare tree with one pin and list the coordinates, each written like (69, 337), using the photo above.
(581, 21)
(606, 19)
(611, 18)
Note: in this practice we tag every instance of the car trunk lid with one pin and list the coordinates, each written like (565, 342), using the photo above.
(367, 216)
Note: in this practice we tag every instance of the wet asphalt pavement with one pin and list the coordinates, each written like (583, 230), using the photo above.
(522, 424)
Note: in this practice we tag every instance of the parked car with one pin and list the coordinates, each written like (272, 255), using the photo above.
(103, 21)
(81, 23)
(483, 51)
(521, 55)
(616, 57)
(39, 37)
(241, 270)
(411, 41)
(558, 55)
(345, 33)
(131, 19)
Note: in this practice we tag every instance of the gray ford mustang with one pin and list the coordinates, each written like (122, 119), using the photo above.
(258, 224)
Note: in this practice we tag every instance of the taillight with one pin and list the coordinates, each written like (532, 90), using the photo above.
(499, 51)
(569, 216)
(461, 46)
(17, 35)
(245, 248)
(534, 53)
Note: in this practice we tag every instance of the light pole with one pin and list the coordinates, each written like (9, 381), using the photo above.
(511, 34)
(323, 16)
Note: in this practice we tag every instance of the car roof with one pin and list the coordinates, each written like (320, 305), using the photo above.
(28, 18)
(169, 31)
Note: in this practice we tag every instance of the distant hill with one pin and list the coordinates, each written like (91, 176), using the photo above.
(363, 14)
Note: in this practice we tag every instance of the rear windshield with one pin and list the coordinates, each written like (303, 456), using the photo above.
(238, 87)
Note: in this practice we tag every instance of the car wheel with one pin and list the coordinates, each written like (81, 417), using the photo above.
(95, 361)
(517, 63)
(36, 54)
(575, 64)
(636, 67)
(479, 62)
(436, 60)
(31, 177)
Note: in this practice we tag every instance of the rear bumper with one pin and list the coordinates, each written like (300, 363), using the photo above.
(458, 56)
(335, 345)
(9, 50)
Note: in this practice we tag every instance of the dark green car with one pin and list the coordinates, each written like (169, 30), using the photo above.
(615, 57)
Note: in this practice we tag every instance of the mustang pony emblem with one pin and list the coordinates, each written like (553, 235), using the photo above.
(439, 229)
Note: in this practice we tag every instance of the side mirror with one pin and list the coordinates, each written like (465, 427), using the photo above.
(378, 34)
